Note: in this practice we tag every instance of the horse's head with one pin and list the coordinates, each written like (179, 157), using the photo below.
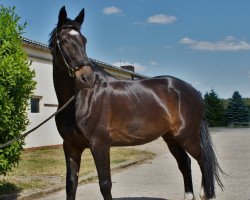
(68, 47)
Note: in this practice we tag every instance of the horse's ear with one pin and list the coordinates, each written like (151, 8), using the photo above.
(80, 18)
(62, 16)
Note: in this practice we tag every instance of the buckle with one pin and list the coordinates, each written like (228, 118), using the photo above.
(71, 72)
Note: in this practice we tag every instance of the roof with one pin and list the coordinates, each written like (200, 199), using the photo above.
(113, 67)
(35, 43)
(103, 64)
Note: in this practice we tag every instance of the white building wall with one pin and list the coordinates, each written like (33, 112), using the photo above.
(47, 134)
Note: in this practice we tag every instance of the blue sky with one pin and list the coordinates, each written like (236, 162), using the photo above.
(205, 43)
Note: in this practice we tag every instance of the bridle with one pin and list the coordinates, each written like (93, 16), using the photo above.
(70, 69)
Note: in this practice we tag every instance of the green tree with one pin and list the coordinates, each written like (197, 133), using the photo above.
(16, 84)
(247, 103)
(237, 111)
(214, 109)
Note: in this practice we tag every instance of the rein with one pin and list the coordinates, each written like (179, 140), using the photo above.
(33, 129)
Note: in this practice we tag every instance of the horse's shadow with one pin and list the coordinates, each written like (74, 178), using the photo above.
(139, 198)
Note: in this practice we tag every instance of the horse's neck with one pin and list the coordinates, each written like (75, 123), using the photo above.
(64, 85)
(102, 72)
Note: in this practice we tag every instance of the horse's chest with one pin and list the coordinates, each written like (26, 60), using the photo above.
(90, 121)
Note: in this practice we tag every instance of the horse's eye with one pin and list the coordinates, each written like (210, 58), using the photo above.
(63, 41)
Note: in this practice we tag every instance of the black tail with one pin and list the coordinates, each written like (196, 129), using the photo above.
(211, 168)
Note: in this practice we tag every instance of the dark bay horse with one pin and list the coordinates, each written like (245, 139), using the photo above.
(110, 112)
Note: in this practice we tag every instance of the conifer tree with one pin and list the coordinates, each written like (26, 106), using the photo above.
(214, 109)
(237, 111)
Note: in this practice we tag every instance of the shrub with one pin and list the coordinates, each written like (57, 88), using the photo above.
(16, 84)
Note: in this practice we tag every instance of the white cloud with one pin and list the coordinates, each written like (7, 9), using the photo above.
(152, 62)
(187, 40)
(161, 19)
(111, 10)
(228, 44)
(138, 67)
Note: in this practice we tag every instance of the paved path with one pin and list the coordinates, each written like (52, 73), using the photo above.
(160, 179)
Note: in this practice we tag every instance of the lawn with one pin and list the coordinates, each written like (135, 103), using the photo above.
(44, 168)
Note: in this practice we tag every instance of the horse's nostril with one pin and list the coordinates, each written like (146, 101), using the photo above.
(83, 78)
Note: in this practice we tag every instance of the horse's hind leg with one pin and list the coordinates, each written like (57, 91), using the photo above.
(73, 160)
(200, 148)
(194, 149)
(184, 164)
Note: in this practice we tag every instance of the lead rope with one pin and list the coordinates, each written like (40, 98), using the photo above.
(33, 129)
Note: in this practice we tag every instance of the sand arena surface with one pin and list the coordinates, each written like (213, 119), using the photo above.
(160, 179)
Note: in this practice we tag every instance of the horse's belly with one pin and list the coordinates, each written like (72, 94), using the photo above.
(136, 133)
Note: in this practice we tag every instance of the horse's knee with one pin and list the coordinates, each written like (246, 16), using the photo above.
(105, 187)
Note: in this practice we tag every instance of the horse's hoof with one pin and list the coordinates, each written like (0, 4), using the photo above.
(188, 196)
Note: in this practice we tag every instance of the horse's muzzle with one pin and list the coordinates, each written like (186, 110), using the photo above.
(85, 77)
(83, 70)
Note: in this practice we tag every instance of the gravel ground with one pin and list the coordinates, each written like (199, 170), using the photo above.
(160, 179)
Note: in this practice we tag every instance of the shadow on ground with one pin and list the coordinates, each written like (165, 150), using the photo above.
(8, 191)
(138, 198)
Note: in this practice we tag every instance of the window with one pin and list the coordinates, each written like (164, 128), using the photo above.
(35, 104)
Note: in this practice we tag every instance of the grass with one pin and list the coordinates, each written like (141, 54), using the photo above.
(43, 168)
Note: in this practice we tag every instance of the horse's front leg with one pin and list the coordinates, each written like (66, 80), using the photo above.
(101, 154)
(73, 161)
